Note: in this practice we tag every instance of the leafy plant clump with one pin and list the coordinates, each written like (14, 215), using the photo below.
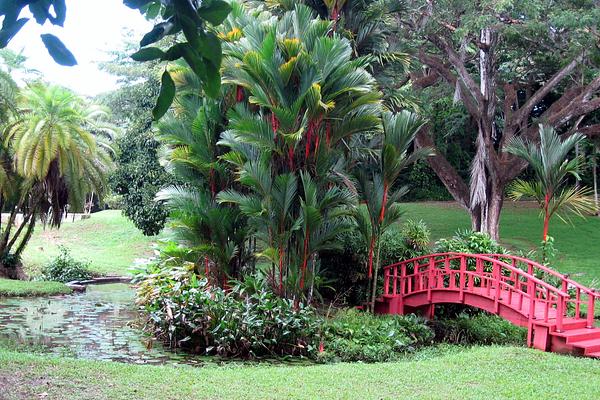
(187, 312)
(64, 268)
(480, 328)
(470, 242)
(357, 336)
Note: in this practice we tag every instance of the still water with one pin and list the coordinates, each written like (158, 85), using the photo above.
(101, 324)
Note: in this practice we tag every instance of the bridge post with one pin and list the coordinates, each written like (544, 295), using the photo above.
(430, 277)
(497, 278)
(462, 278)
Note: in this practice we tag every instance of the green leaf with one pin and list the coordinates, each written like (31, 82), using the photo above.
(212, 83)
(153, 10)
(175, 52)
(135, 4)
(10, 30)
(148, 54)
(190, 29)
(40, 12)
(165, 97)
(58, 51)
(209, 46)
(215, 12)
(194, 60)
(60, 11)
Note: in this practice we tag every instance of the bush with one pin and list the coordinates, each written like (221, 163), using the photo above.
(186, 312)
(64, 268)
(470, 242)
(347, 267)
(481, 328)
(357, 336)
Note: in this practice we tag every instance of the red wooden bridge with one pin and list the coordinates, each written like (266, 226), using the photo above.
(557, 311)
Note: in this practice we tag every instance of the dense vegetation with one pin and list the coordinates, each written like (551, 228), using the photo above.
(272, 144)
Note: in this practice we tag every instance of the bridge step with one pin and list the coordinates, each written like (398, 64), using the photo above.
(589, 346)
(594, 355)
(574, 335)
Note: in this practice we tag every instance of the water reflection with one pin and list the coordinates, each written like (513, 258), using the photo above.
(99, 324)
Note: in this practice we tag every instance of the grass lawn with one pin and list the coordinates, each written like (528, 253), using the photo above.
(108, 240)
(476, 373)
(24, 288)
(521, 228)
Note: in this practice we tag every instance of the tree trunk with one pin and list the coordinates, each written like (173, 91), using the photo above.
(377, 262)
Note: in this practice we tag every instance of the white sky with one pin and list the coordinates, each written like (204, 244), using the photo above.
(89, 32)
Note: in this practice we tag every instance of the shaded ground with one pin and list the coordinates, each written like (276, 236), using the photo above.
(477, 373)
(108, 239)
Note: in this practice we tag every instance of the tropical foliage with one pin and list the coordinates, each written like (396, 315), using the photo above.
(551, 188)
(56, 151)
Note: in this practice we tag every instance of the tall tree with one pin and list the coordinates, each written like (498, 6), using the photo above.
(51, 160)
(510, 64)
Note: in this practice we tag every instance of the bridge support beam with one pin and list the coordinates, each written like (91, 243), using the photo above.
(396, 306)
(430, 311)
(541, 334)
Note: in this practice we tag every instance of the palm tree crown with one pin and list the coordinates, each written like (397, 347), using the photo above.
(552, 168)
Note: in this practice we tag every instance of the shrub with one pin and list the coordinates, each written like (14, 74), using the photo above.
(186, 312)
(352, 335)
(347, 267)
(480, 328)
(470, 242)
(64, 268)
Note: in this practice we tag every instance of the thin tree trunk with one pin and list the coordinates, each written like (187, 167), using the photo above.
(377, 261)
(595, 178)
(26, 237)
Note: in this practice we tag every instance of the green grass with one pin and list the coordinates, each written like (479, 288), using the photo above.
(108, 240)
(521, 229)
(476, 373)
(10, 288)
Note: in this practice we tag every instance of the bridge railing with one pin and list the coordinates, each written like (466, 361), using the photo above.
(581, 298)
(490, 276)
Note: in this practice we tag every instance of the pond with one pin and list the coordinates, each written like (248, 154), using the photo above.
(99, 324)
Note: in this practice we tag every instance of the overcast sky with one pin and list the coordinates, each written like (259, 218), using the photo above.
(90, 30)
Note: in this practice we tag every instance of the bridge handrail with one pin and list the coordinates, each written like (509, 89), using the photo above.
(483, 257)
(585, 289)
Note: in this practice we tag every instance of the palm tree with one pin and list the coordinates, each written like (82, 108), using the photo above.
(52, 160)
(215, 234)
(379, 209)
(552, 169)
(297, 101)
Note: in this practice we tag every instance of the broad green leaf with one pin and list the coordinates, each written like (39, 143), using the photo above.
(60, 11)
(58, 51)
(215, 12)
(9, 31)
(153, 10)
(40, 12)
(165, 97)
(175, 52)
(148, 54)
(158, 32)
(190, 29)
(136, 3)
(212, 83)
(194, 60)
(209, 46)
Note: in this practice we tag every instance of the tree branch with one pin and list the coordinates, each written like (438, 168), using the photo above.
(443, 70)
(523, 113)
(459, 66)
(444, 170)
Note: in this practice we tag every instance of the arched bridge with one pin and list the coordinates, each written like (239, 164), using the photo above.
(557, 311)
